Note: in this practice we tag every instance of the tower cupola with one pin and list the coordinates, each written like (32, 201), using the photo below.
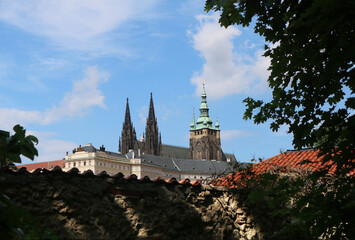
(204, 121)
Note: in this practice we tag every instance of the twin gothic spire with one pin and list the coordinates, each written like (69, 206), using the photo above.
(151, 144)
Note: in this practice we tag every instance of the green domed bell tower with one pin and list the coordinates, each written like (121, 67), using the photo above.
(205, 140)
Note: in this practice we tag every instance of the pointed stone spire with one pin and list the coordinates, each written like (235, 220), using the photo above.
(151, 132)
(151, 115)
(193, 124)
(217, 124)
(128, 135)
(127, 118)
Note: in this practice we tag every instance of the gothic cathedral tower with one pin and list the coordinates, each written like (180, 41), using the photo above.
(152, 144)
(205, 141)
(128, 139)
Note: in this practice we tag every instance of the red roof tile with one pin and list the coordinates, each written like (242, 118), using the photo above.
(47, 165)
(289, 160)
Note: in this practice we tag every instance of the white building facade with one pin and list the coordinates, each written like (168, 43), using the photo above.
(98, 160)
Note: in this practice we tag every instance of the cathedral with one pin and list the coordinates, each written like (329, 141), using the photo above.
(149, 157)
(205, 142)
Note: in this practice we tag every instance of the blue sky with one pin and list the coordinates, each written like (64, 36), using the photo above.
(67, 67)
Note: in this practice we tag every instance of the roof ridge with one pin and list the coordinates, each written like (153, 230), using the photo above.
(301, 150)
(103, 174)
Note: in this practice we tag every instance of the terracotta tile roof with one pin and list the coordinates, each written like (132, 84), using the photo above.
(118, 176)
(289, 160)
(47, 165)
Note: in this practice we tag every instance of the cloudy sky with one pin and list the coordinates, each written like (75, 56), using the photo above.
(67, 67)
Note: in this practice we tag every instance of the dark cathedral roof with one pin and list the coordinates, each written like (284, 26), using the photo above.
(175, 151)
(183, 153)
(189, 165)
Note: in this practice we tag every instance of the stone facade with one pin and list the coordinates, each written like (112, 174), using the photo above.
(205, 144)
(76, 206)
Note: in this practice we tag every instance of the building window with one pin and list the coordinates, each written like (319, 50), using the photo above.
(124, 167)
(100, 163)
(68, 165)
(115, 166)
(111, 165)
(104, 164)
(84, 163)
(74, 164)
(127, 167)
(89, 162)
(195, 177)
(79, 164)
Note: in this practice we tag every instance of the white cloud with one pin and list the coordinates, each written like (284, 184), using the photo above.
(225, 71)
(84, 95)
(49, 148)
(74, 24)
(233, 134)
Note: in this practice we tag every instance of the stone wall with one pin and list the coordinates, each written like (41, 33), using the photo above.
(85, 206)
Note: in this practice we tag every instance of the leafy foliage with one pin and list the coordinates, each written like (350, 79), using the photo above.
(311, 47)
(11, 147)
(310, 44)
(15, 222)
